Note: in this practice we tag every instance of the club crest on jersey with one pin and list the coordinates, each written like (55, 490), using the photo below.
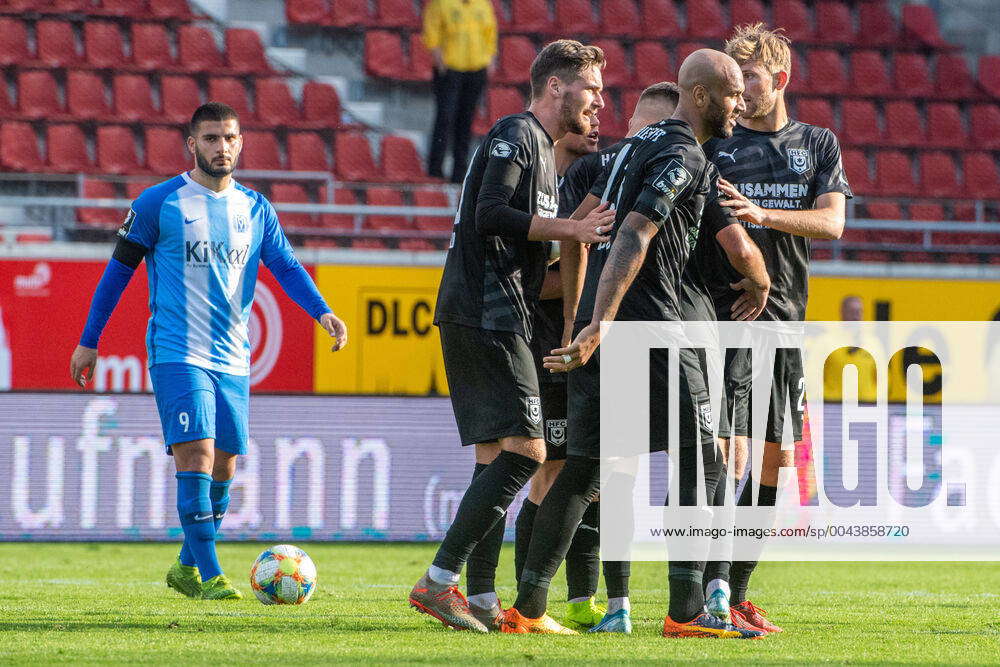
(127, 225)
(503, 149)
(672, 180)
(706, 416)
(555, 432)
(240, 222)
(534, 409)
(799, 160)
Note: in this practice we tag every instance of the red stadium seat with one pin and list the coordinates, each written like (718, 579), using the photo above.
(421, 63)
(321, 104)
(260, 150)
(37, 96)
(134, 188)
(817, 111)
(927, 211)
(197, 50)
(352, 157)
(793, 16)
(989, 74)
(659, 19)
(576, 17)
(938, 175)
(116, 150)
(416, 245)
(134, 98)
(944, 125)
(275, 104)
(397, 14)
(85, 96)
(99, 189)
(617, 73)
(530, 16)
(169, 9)
(384, 54)
(500, 101)
(903, 124)
(349, 13)
(179, 95)
(652, 63)
(369, 244)
(231, 91)
(826, 72)
(103, 44)
(516, 54)
(307, 152)
(56, 43)
(916, 257)
(385, 197)
(883, 210)
(894, 174)
(963, 211)
(123, 8)
(432, 223)
(341, 196)
(746, 12)
(705, 20)
(982, 180)
(306, 11)
(952, 79)
(151, 46)
(620, 18)
(861, 127)
(920, 26)
(872, 256)
(612, 123)
(834, 22)
(877, 24)
(400, 160)
(245, 52)
(67, 6)
(968, 257)
(166, 153)
(14, 46)
(912, 75)
(985, 122)
(67, 149)
(6, 108)
(19, 147)
(817, 253)
(868, 74)
(292, 193)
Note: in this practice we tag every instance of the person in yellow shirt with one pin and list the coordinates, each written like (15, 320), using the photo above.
(462, 38)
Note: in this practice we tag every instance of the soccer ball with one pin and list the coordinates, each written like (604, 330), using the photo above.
(283, 574)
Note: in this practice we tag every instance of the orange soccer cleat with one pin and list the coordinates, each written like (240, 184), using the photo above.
(753, 615)
(514, 623)
(706, 626)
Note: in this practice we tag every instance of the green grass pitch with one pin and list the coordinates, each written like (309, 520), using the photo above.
(100, 603)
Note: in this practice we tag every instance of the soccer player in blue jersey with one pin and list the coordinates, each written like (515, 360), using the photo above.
(203, 236)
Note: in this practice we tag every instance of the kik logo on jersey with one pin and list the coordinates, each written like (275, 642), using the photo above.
(799, 160)
(503, 149)
(672, 180)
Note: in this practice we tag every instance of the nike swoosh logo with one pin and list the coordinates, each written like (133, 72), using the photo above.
(188, 222)
(202, 518)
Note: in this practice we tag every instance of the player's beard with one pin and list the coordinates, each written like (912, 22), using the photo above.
(206, 166)
(758, 107)
(572, 117)
(718, 120)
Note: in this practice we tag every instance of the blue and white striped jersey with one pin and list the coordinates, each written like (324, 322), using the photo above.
(204, 249)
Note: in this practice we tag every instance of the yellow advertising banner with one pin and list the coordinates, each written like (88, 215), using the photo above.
(393, 345)
(897, 299)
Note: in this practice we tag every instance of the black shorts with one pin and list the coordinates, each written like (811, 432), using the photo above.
(695, 411)
(493, 384)
(554, 414)
(787, 393)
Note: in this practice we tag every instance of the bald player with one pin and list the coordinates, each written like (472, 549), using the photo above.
(664, 189)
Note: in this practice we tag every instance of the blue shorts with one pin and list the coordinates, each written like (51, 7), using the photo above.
(196, 403)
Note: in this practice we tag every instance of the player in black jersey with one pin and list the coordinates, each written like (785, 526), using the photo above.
(492, 278)
(787, 186)
(579, 165)
(662, 185)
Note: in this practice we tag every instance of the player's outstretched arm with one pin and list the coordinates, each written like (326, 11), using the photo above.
(746, 258)
(572, 268)
(594, 227)
(624, 261)
(825, 221)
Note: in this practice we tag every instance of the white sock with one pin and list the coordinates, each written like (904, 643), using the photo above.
(575, 600)
(716, 584)
(441, 576)
(614, 604)
(485, 600)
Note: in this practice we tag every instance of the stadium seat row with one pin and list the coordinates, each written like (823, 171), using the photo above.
(895, 174)
(148, 47)
(830, 21)
(115, 152)
(144, 9)
(85, 95)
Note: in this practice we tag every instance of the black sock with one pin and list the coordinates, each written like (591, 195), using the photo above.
(719, 569)
(558, 517)
(583, 559)
(687, 597)
(739, 576)
(616, 574)
(481, 570)
(522, 536)
(484, 503)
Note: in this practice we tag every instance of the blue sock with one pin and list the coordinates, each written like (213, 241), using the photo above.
(195, 510)
(219, 494)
